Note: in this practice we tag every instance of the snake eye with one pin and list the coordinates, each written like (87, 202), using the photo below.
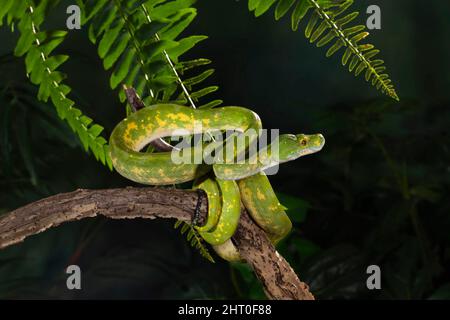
(303, 142)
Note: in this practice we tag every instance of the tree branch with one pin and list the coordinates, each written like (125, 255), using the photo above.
(279, 280)
(277, 277)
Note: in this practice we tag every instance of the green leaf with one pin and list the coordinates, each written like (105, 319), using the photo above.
(297, 208)
(211, 104)
(4, 9)
(199, 78)
(169, 8)
(122, 68)
(326, 22)
(203, 92)
(157, 47)
(184, 45)
(181, 21)
(253, 4)
(54, 62)
(102, 22)
(16, 11)
(108, 38)
(95, 130)
(263, 7)
(147, 31)
(283, 7)
(301, 9)
(116, 51)
(52, 42)
(32, 59)
(26, 39)
(91, 8)
(184, 66)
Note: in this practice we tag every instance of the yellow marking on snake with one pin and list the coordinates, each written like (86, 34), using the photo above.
(260, 195)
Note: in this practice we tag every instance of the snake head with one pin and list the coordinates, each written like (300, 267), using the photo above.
(310, 143)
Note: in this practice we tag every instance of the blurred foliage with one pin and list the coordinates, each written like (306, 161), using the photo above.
(376, 194)
(387, 175)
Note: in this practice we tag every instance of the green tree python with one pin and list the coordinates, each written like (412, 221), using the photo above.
(228, 183)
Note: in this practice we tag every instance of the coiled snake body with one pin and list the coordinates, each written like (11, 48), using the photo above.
(226, 183)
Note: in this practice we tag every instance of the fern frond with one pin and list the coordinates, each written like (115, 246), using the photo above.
(328, 24)
(42, 69)
(139, 41)
(195, 240)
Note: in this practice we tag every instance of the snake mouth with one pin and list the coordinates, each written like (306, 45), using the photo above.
(319, 142)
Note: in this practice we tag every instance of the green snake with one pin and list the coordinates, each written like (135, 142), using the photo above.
(227, 184)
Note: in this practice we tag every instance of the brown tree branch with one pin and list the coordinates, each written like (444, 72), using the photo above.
(274, 272)
(277, 277)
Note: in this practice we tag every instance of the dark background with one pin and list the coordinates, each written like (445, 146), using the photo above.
(376, 194)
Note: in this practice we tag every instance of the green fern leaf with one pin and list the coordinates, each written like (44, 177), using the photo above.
(41, 67)
(327, 23)
(184, 66)
(195, 240)
(211, 104)
(139, 41)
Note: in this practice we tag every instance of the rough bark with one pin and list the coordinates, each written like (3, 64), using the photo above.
(277, 277)
(275, 273)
